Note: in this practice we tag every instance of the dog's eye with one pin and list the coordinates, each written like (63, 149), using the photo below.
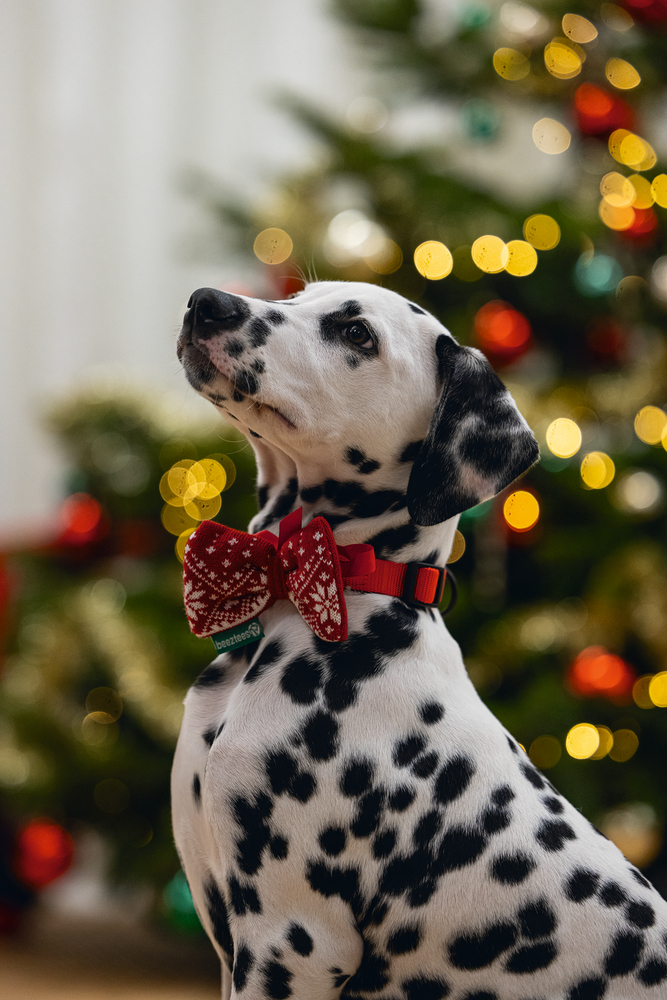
(358, 334)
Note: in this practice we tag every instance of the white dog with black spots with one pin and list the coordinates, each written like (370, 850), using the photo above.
(352, 820)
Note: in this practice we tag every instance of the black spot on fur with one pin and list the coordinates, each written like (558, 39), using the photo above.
(275, 317)
(369, 813)
(244, 898)
(480, 995)
(407, 749)
(209, 736)
(427, 828)
(640, 879)
(453, 779)
(300, 939)
(234, 347)
(310, 494)
(362, 502)
(262, 495)
(652, 973)
(533, 775)
(425, 765)
(277, 981)
(334, 880)
(281, 768)
(320, 735)
(279, 847)
(282, 505)
(401, 798)
(554, 805)
(423, 988)
(355, 456)
(242, 966)
(258, 332)
(251, 815)
(410, 451)
(404, 940)
(581, 885)
(196, 790)
(301, 680)
(417, 873)
(217, 912)
(476, 951)
(384, 844)
(625, 953)
(588, 989)
(502, 795)
(512, 745)
(531, 957)
(640, 914)
(387, 542)
(612, 894)
(416, 309)
(332, 840)
(495, 820)
(302, 787)
(271, 652)
(537, 919)
(431, 712)
(211, 675)
(552, 834)
(371, 975)
(357, 777)
(512, 869)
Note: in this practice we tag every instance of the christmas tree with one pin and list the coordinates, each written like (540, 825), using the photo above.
(504, 176)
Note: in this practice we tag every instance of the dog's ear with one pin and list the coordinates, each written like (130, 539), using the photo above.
(477, 444)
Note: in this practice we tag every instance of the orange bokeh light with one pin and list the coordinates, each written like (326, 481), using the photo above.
(598, 111)
(598, 673)
(502, 330)
(44, 852)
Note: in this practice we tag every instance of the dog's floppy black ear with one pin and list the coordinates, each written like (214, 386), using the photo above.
(477, 444)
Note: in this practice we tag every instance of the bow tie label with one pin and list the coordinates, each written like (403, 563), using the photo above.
(232, 638)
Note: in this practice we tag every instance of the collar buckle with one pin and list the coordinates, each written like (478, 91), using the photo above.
(411, 584)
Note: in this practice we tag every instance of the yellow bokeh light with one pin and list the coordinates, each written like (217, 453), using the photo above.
(616, 17)
(643, 191)
(618, 190)
(511, 64)
(386, 260)
(659, 190)
(490, 254)
(105, 703)
(181, 542)
(579, 28)
(657, 689)
(597, 470)
(273, 246)
(458, 548)
(433, 260)
(562, 59)
(550, 136)
(606, 743)
(563, 437)
(545, 752)
(631, 150)
(203, 510)
(177, 520)
(625, 745)
(582, 741)
(521, 510)
(614, 217)
(216, 477)
(622, 74)
(651, 424)
(542, 232)
(522, 258)
(640, 691)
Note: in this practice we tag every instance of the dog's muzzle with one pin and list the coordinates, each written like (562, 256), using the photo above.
(210, 313)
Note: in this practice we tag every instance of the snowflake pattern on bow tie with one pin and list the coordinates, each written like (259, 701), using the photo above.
(231, 577)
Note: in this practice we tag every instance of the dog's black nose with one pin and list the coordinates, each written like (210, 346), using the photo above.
(213, 311)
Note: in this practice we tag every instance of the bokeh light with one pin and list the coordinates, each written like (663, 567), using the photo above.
(181, 542)
(596, 672)
(511, 64)
(458, 547)
(44, 852)
(659, 190)
(598, 111)
(433, 260)
(542, 232)
(616, 217)
(105, 703)
(598, 274)
(545, 752)
(550, 136)
(597, 470)
(639, 492)
(616, 17)
(622, 74)
(657, 689)
(640, 691)
(563, 58)
(563, 437)
(606, 743)
(582, 741)
(273, 246)
(625, 745)
(81, 517)
(618, 190)
(366, 114)
(643, 191)
(631, 150)
(490, 254)
(502, 330)
(521, 510)
(522, 258)
(387, 259)
(579, 29)
(651, 424)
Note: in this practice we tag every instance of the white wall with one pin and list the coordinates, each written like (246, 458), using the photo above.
(103, 103)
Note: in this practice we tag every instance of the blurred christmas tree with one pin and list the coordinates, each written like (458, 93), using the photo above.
(504, 175)
(98, 652)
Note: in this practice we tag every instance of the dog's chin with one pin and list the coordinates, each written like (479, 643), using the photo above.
(198, 368)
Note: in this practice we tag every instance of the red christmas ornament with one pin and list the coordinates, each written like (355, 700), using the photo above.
(599, 112)
(502, 332)
(44, 851)
(597, 673)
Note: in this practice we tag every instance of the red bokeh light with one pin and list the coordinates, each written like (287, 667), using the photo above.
(598, 111)
(649, 11)
(598, 673)
(82, 519)
(644, 227)
(44, 851)
(502, 331)
(607, 340)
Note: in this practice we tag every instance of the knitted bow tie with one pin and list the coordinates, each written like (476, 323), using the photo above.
(231, 576)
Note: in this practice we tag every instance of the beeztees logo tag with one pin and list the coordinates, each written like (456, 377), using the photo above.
(241, 635)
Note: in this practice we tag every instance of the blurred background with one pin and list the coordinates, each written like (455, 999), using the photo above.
(501, 163)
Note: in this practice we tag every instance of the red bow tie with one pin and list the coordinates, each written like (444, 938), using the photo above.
(231, 576)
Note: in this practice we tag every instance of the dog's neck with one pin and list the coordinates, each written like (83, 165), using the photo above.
(364, 498)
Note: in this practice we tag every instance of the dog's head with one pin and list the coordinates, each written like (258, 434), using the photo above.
(348, 369)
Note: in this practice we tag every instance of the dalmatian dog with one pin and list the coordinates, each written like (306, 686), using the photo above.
(352, 820)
